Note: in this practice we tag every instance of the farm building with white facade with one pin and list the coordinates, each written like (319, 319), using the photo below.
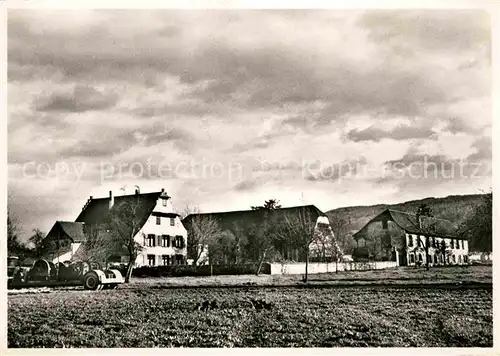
(410, 240)
(161, 235)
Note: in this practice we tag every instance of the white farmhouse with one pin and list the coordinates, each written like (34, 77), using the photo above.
(399, 236)
(161, 234)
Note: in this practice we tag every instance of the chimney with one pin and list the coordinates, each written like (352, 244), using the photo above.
(91, 197)
(111, 199)
(163, 190)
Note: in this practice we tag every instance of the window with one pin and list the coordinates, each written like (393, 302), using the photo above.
(165, 241)
(412, 258)
(151, 260)
(434, 242)
(460, 259)
(463, 244)
(165, 260)
(178, 242)
(172, 221)
(158, 220)
(466, 259)
(151, 240)
(453, 259)
(452, 243)
(418, 241)
(410, 241)
(164, 201)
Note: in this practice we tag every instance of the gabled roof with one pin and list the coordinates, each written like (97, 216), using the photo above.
(67, 229)
(408, 222)
(242, 219)
(96, 210)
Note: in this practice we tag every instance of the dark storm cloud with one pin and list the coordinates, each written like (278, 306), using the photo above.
(80, 99)
(280, 77)
(180, 138)
(436, 30)
(401, 132)
(246, 185)
(415, 158)
(483, 148)
(266, 75)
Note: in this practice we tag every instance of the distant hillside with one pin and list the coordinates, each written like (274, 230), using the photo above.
(456, 208)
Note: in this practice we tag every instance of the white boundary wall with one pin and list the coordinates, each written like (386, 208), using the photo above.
(300, 268)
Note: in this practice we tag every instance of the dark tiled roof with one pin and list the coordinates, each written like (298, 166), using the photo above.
(96, 210)
(408, 222)
(243, 219)
(67, 229)
(73, 230)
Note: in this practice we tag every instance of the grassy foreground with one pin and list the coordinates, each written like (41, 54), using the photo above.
(144, 316)
(401, 275)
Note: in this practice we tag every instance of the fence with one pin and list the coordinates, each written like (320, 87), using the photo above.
(300, 268)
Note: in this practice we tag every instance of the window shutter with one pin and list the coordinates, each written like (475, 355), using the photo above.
(159, 260)
(159, 240)
(145, 240)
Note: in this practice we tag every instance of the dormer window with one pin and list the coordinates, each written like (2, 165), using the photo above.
(164, 201)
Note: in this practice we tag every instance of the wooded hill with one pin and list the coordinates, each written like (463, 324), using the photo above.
(456, 208)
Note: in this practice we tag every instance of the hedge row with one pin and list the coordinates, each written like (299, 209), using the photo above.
(186, 270)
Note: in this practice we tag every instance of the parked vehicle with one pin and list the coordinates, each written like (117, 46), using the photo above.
(44, 273)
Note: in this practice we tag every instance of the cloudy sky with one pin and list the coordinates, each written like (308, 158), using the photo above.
(227, 108)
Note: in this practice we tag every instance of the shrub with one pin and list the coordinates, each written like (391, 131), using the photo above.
(193, 271)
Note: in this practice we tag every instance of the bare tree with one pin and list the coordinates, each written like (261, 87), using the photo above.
(14, 246)
(98, 246)
(187, 210)
(300, 228)
(203, 231)
(41, 246)
(325, 244)
(263, 238)
(223, 249)
(123, 223)
(427, 228)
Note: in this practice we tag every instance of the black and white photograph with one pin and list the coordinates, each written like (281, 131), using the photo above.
(240, 177)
